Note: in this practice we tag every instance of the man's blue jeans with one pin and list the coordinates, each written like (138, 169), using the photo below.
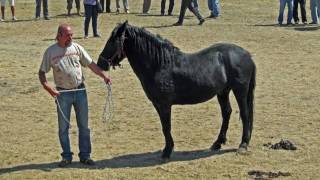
(214, 7)
(77, 99)
(315, 10)
(281, 10)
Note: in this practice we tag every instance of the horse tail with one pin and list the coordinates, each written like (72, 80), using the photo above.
(250, 99)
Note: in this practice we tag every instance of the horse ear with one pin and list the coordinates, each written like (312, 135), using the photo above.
(123, 27)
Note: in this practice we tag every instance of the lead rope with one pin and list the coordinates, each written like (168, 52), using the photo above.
(107, 111)
(59, 107)
(108, 107)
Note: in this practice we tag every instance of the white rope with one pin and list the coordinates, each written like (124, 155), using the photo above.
(59, 107)
(108, 107)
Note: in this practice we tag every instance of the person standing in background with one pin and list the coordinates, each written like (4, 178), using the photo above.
(315, 11)
(45, 9)
(69, 7)
(190, 5)
(146, 6)
(214, 7)
(163, 7)
(90, 11)
(302, 10)
(281, 11)
(3, 7)
(108, 4)
(125, 6)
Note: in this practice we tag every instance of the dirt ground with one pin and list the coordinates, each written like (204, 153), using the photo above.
(128, 147)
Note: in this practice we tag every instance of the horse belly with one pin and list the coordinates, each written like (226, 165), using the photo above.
(194, 96)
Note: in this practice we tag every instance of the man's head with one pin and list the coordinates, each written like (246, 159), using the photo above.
(64, 35)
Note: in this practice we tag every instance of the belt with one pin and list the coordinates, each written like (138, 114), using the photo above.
(81, 86)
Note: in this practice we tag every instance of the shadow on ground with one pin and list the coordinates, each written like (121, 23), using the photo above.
(125, 161)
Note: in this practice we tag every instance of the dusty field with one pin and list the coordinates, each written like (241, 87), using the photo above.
(287, 100)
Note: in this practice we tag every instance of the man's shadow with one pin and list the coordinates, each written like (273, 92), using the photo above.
(132, 161)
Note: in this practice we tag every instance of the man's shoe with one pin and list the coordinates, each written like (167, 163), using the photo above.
(2, 20)
(313, 23)
(213, 16)
(177, 24)
(46, 18)
(97, 35)
(201, 21)
(14, 18)
(305, 22)
(85, 37)
(296, 22)
(64, 163)
(88, 161)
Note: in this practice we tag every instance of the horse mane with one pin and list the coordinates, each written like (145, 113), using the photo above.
(159, 50)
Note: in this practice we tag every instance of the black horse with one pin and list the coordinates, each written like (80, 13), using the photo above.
(169, 76)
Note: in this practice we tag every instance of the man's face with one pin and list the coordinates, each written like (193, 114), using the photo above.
(65, 37)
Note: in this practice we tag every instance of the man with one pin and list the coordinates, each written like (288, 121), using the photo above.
(188, 4)
(45, 9)
(66, 58)
(3, 7)
(302, 10)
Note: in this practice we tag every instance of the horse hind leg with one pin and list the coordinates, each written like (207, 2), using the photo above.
(226, 111)
(241, 94)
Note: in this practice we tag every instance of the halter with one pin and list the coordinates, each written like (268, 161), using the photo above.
(119, 53)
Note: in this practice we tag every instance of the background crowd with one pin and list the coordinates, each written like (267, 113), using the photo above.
(292, 6)
(91, 10)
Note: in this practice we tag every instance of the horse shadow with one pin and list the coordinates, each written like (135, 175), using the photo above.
(125, 161)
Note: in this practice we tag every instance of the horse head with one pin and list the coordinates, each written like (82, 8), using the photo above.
(113, 52)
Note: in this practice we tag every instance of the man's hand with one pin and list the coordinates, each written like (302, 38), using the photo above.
(107, 80)
(54, 93)
(46, 86)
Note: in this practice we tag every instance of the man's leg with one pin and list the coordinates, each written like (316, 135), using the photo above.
(303, 11)
(108, 6)
(38, 8)
(171, 5)
(78, 7)
(81, 110)
(146, 6)
(69, 6)
(64, 103)
(281, 10)
(290, 5)
(295, 11)
(183, 8)
(196, 13)
(45, 10)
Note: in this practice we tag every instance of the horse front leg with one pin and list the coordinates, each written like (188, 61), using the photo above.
(164, 112)
(226, 111)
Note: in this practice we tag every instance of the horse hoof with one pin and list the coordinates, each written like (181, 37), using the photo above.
(242, 150)
(215, 147)
(165, 160)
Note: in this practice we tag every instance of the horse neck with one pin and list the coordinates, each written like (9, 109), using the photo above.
(144, 54)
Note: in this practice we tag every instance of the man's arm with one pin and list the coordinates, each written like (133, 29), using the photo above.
(93, 66)
(45, 84)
